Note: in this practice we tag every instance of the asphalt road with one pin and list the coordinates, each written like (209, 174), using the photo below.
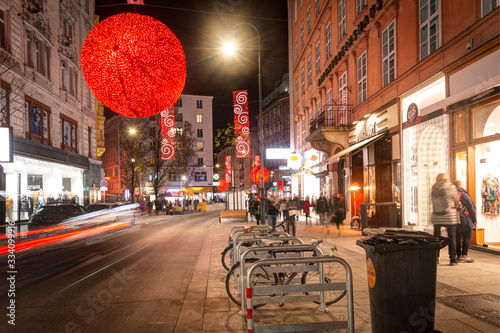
(131, 280)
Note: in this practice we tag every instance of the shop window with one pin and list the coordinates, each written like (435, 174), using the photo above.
(37, 122)
(461, 167)
(68, 134)
(66, 184)
(396, 182)
(429, 27)
(459, 122)
(486, 120)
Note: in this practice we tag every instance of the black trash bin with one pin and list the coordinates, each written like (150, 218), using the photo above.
(401, 269)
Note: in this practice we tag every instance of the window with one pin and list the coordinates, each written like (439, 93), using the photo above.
(200, 176)
(342, 27)
(4, 104)
(199, 118)
(360, 4)
(199, 132)
(200, 161)
(488, 6)
(178, 117)
(310, 115)
(302, 82)
(429, 27)
(318, 107)
(199, 104)
(303, 130)
(316, 7)
(318, 58)
(67, 31)
(362, 78)
(37, 122)
(69, 78)
(296, 48)
(68, 134)
(3, 43)
(302, 35)
(309, 71)
(38, 53)
(178, 103)
(296, 91)
(328, 41)
(89, 138)
(298, 136)
(308, 20)
(389, 54)
(200, 146)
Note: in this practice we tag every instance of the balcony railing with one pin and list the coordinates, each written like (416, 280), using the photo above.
(331, 116)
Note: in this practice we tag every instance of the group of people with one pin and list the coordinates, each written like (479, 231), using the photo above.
(166, 206)
(328, 210)
(453, 209)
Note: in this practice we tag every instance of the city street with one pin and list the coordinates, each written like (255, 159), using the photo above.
(165, 275)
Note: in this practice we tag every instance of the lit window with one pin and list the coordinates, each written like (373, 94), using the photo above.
(200, 146)
(199, 118)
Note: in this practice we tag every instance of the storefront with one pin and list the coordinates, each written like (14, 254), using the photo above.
(458, 135)
(31, 183)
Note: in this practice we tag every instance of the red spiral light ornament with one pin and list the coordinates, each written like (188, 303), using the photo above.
(134, 65)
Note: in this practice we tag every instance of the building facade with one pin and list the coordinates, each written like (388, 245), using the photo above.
(399, 91)
(45, 100)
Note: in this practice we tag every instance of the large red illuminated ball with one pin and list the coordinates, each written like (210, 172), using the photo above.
(255, 175)
(224, 185)
(134, 65)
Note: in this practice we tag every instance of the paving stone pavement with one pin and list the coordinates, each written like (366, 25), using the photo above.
(207, 308)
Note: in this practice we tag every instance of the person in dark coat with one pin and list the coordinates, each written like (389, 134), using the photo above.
(338, 209)
(321, 207)
(256, 207)
(468, 222)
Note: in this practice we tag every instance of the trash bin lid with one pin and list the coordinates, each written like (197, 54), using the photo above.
(394, 239)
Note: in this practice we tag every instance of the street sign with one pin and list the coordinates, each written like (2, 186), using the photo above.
(104, 183)
(104, 188)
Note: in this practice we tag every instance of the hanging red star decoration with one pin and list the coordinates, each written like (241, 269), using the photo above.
(255, 174)
(134, 65)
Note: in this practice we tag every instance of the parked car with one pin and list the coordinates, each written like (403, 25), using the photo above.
(94, 207)
(54, 213)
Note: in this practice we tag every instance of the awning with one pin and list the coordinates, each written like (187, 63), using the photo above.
(335, 158)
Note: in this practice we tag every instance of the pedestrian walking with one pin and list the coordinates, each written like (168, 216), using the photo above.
(256, 207)
(338, 210)
(196, 201)
(294, 207)
(468, 222)
(272, 210)
(307, 205)
(321, 208)
(284, 208)
(444, 196)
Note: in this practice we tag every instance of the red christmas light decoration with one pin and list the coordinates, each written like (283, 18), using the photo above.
(255, 174)
(224, 185)
(134, 65)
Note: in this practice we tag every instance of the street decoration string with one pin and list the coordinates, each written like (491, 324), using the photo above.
(241, 123)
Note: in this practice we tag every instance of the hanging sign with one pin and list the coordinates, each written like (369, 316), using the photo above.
(228, 169)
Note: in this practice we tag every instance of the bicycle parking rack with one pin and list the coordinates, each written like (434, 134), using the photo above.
(297, 251)
(271, 238)
(241, 228)
(268, 294)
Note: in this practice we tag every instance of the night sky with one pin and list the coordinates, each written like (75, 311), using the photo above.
(201, 26)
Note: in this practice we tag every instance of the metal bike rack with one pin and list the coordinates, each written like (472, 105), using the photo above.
(241, 228)
(297, 251)
(271, 238)
(269, 291)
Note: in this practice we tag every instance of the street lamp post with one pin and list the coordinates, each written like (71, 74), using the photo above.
(262, 190)
(132, 131)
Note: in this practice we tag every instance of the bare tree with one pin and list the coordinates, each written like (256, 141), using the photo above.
(133, 155)
(15, 85)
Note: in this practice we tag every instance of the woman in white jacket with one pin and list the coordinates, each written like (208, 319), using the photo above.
(444, 212)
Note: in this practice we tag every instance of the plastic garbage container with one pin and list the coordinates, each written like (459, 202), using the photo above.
(401, 269)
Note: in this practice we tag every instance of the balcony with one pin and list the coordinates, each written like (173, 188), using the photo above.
(330, 127)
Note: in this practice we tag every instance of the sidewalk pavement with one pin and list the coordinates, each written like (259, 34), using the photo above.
(467, 294)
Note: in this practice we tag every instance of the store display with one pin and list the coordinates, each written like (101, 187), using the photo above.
(490, 192)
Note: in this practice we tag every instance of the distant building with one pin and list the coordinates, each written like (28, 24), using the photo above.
(44, 98)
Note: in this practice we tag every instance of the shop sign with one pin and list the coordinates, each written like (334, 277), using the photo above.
(7, 140)
(366, 128)
(412, 113)
(286, 188)
(34, 187)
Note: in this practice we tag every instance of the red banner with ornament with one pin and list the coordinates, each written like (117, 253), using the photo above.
(228, 169)
(241, 123)
(168, 134)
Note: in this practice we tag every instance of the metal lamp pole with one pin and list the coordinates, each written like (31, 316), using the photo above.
(118, 154)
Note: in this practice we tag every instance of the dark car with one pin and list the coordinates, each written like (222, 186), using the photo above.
(94, 207)
(50, 214)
